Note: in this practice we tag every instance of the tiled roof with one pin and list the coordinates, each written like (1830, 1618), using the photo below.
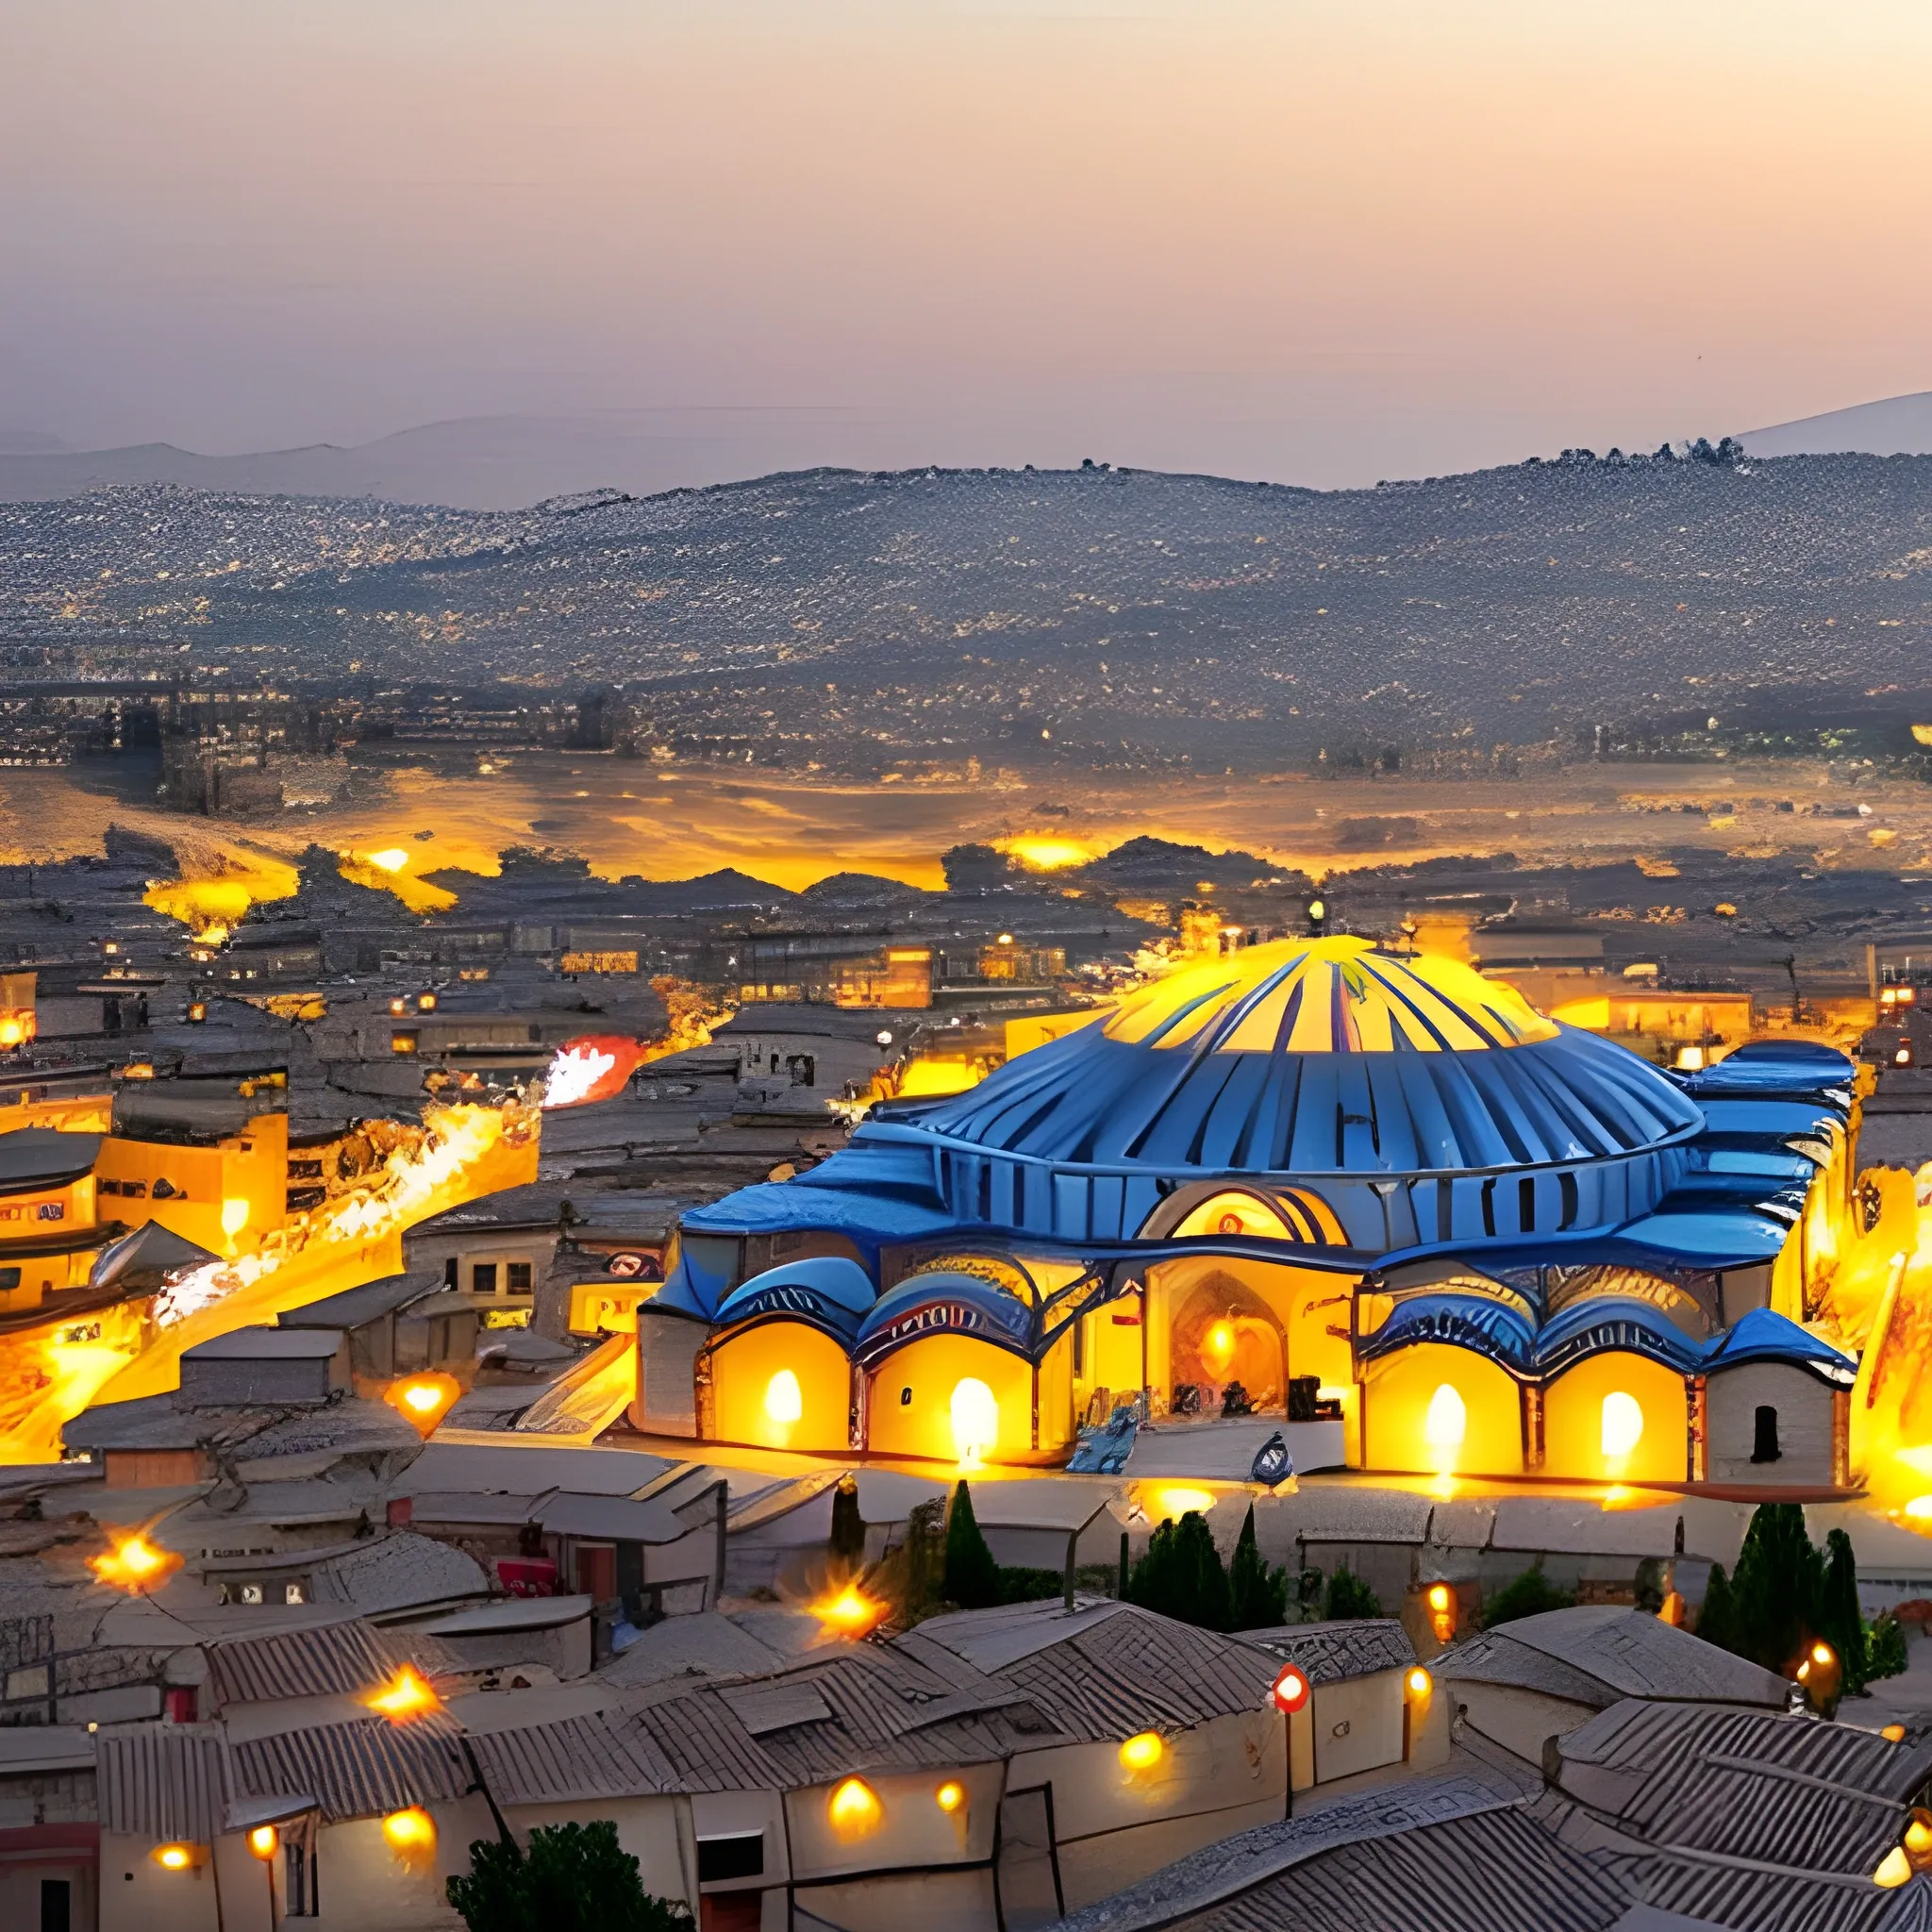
(1769, 1822)
(1348, 1648)
(1629, 1653)
(360, 1768)
(328, 1660)
(161, 1782)
(1196, 1888)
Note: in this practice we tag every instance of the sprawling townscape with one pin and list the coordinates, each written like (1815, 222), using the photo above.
(1138, 1387)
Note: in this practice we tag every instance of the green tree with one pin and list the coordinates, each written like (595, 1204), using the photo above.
(972, 1577)
(1839, 1620)
(1257, 1592)
(572, 1878)
(1715, 1618)
(1775, 1589)
(1349, 1596)
(1181, 1576)
(1529, 1595)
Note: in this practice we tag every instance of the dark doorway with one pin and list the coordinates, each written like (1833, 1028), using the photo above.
(1764, 1438)
(57, 1905)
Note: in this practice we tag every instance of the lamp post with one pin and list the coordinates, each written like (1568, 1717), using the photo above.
(262, 1843)
(1288, 1694)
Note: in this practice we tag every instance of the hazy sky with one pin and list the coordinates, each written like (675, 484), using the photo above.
(1273, 238)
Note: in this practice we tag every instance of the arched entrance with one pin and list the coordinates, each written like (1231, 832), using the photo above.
(1223, 1332)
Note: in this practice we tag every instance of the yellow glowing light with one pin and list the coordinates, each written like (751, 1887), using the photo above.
(1446, 1423)
(1823, 1654)
(1893, 1869)
(404, 1697)
(135, 1564)
(1317, 910)
(854, 1808)
(1417, 1684)
(1917, 1838)
(1221, 1342)
(1441, 1598)
(1048, 854)
(1142, 1751)
(1920, 1509)
(412, 1830)
(851, 1611)
(950, 1796)
(263, 1840)
(392, 859)
(1623, 1424)
(234, 1217)
(13, 1031)
(1177, 1502)
(423, 1398)
(1893, 1734)
(975, 1413)
(784, 1399)
(174, 1858)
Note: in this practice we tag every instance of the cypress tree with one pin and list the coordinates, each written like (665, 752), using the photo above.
(1839, 1621)
(972, 1577)
(1775, 1591)
(1257, 1594)
(1181, 1576)
(1715, 1620)
(1203, 1581)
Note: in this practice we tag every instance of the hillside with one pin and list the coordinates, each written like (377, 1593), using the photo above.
(1099, 615)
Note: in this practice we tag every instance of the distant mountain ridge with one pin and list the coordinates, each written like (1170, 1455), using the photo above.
(1122, 619)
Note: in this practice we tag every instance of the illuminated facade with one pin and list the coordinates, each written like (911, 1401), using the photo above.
(1353, 1182)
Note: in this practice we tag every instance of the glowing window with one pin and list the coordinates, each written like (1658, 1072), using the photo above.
(1623, 1427)
(1447, 1421)
(784, 1399)
(976, 1420)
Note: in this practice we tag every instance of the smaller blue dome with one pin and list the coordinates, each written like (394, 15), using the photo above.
(943, 1302)
(1601, 1324)
(826, 1290)
(1765, 1336)
(1483, 1325)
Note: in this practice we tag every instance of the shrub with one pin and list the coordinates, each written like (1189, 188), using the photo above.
(1527, 1595)
(572, 1878)
(1349, 1596)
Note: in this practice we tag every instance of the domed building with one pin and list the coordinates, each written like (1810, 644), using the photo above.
(1314, 1178)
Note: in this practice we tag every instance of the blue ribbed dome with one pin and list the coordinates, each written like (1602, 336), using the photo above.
(1243, 1093)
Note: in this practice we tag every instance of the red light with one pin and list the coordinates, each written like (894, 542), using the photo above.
(1291, 1691)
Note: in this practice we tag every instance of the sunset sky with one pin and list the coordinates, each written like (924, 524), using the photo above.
(1316, 242)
